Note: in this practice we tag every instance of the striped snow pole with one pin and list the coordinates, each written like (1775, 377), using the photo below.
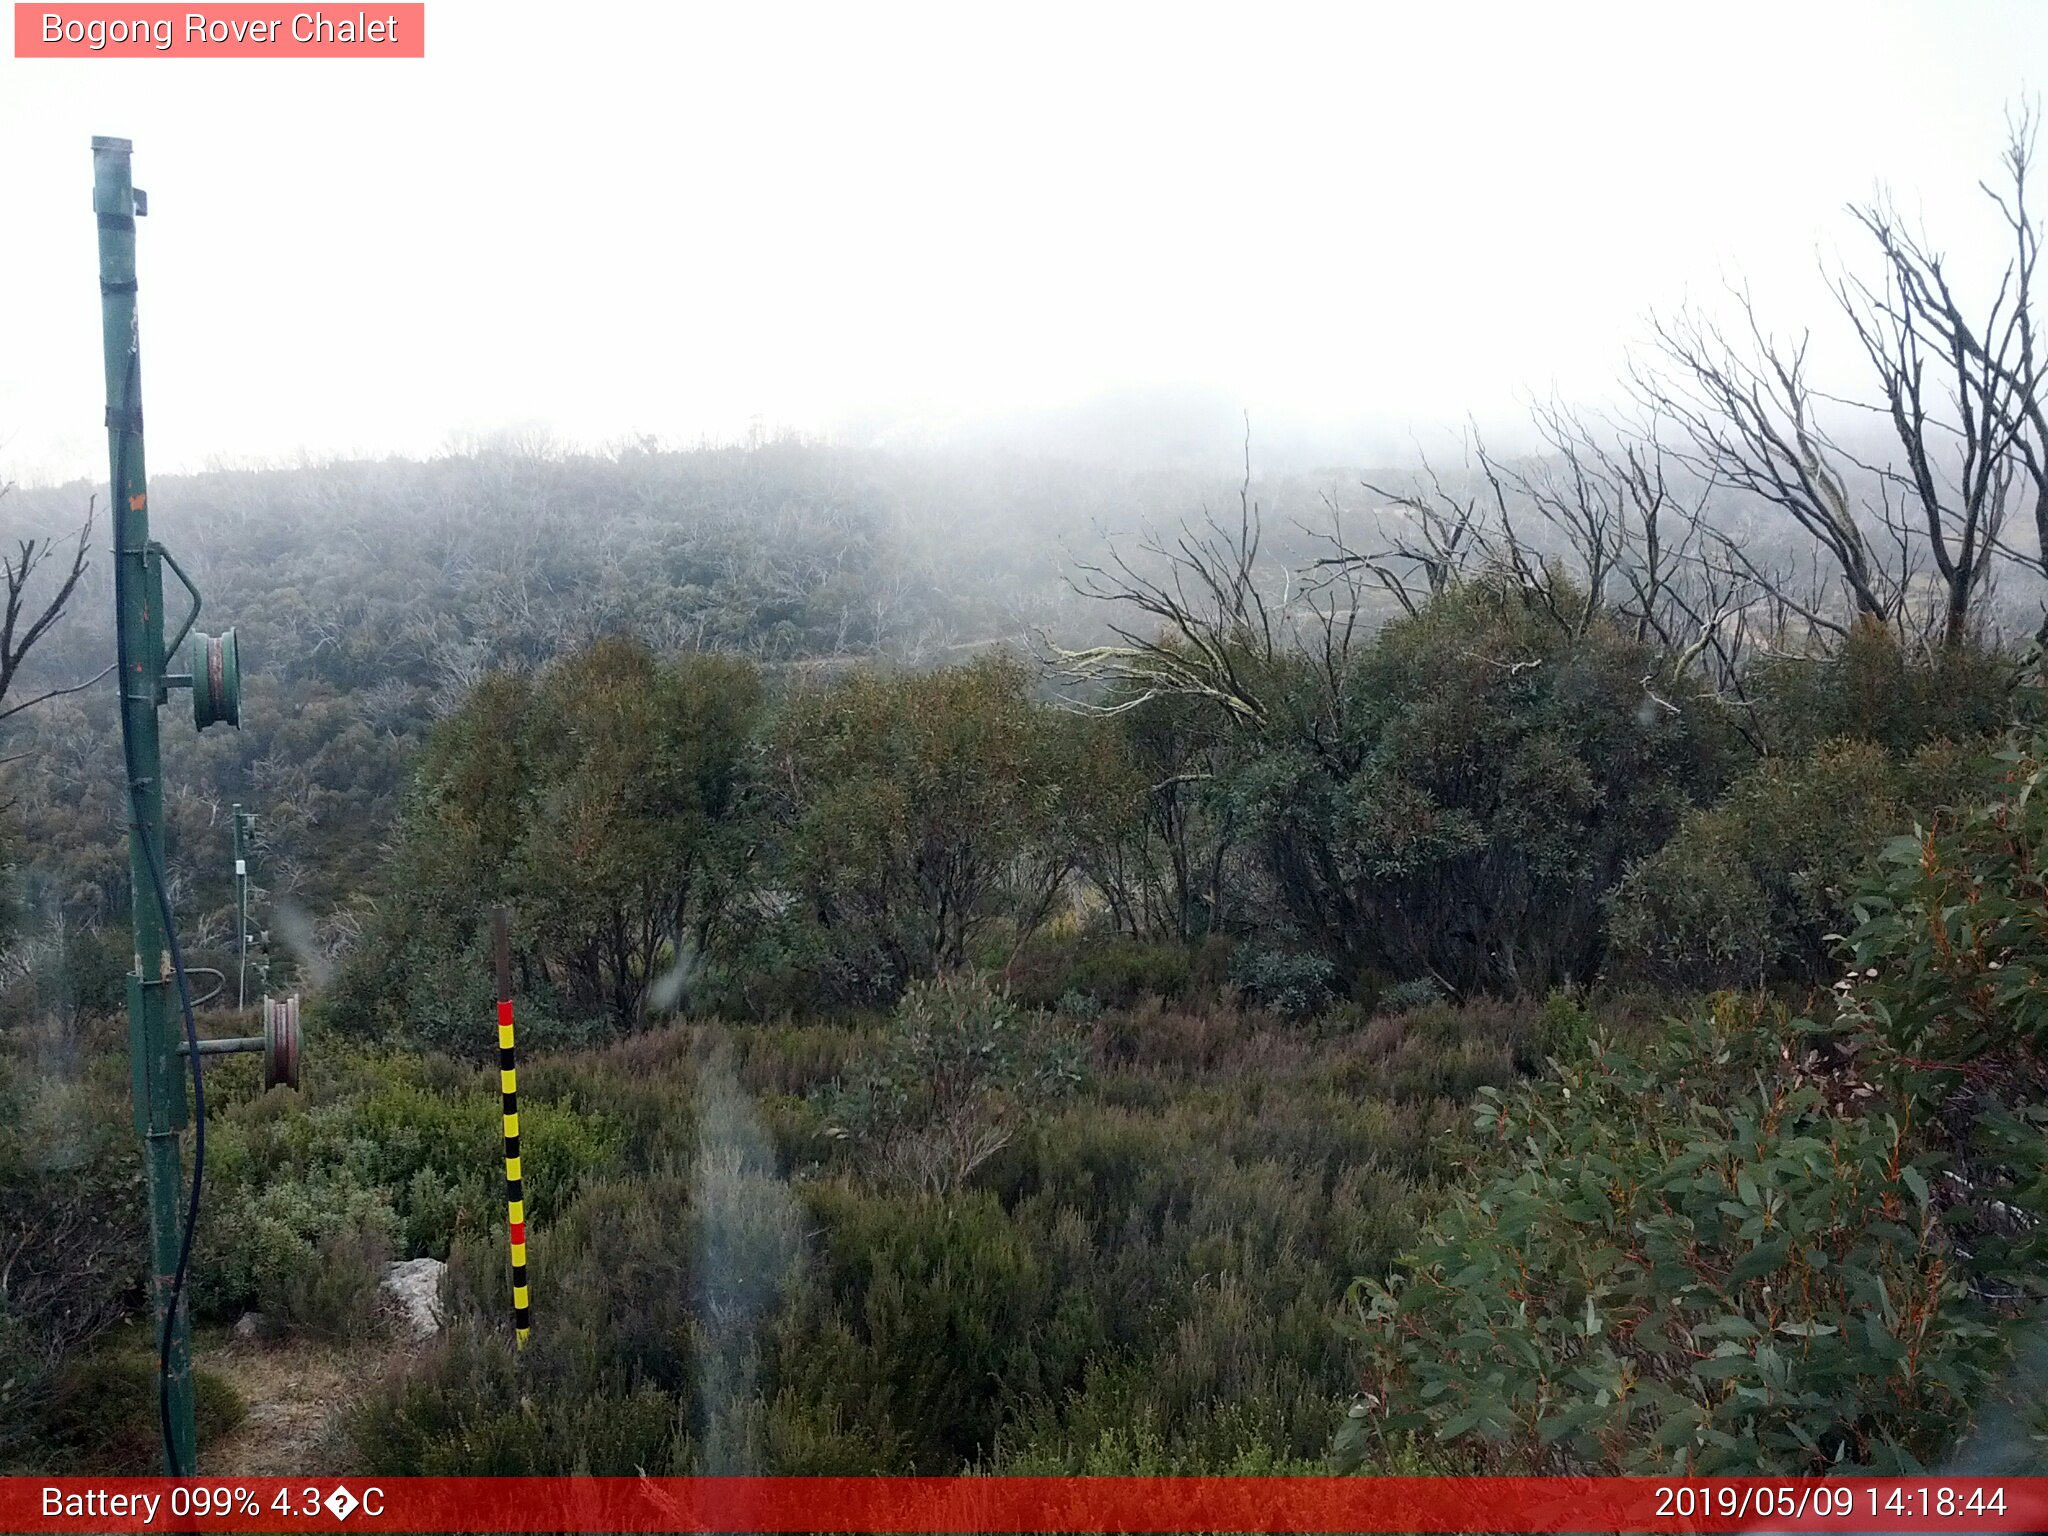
(508, 1084)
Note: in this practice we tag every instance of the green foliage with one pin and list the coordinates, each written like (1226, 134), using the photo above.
(1690, 1262)
(1949, 960)
(373, 594)
(927, 1239)
(1292, 985)
(662, 841)
(1750, 888)
(1403, 995)
(959, 1072)
(92, 978)
(1763, 1245)
(1161, 1246)
(1474, 796)
(307, 1201)
(72, 1232)
(940, 1305)
(1948, 984)
(499, 1425)
(1869, 690)
(1110, 970)
(600, 801)
(636, 772)
(1160, 861)
(914, 814)
(308, 1254)
(103, 1416)
(1443, 1051)
(1457, 799)
(1110, 1429)
(1566, 1026)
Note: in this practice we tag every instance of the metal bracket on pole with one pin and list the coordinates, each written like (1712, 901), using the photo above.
(279, 1043)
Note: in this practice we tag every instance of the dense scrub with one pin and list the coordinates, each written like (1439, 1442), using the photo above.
(1449, 815)
(927, 1073)
(1770, 1243)
(1479, 802)
(962, 1234)
(1749, 889)
(1150, 1257)
(72, 1241)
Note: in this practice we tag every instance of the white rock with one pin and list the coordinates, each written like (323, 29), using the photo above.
(250, 1325)
(414, 1291)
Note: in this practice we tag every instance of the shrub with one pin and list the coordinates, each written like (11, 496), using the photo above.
(308, 1253)
(474, 1409)
(930, 1315)
(1947, 990)
(439, 1152)
(71, 1187)
(103, 1418)
(1290, 984)
(1566, 1027)
(601, 800)
(1748, 890)
(1081, 1007)
(421, 1135)
(959, 1070)
(1949, 959)
(916, 816)
(1108, 970)
(92, 976)
(1689, 1262)
(1461, 795)
(1111, 1427)
(1869, 690)
(1442, 1052)
(1159, 1247)
(1404, 995)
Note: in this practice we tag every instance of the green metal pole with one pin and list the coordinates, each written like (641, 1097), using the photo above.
(158, 1076)
(241, 913)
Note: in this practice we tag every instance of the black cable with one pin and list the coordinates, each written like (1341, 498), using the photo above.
(163, 900)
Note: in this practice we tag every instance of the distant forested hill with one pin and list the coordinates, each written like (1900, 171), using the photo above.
(371, 596)
(368, 596)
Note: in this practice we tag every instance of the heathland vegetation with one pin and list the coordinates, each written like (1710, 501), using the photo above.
(1542, 972)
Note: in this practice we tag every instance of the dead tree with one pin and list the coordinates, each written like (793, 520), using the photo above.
(1442, 536)
(1745, 414)
(24, 622)
(1960, 383)
(1602, 524)
(1641, 553)
(1976, 428)
(1202, 627)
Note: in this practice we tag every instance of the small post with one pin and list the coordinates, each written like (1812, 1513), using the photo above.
(508, 1085)
(241, 909)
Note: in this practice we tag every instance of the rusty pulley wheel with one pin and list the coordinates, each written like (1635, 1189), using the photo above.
(281, 1041)
(216, 680)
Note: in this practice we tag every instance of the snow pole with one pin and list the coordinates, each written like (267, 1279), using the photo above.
(508, 1085)
(245, 822)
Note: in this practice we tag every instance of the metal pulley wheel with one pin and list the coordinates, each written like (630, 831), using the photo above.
(281, 1041)
(216, 680)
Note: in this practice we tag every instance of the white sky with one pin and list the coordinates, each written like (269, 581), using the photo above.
(675, 219)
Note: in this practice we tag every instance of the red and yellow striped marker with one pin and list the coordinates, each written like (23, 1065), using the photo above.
(508, 1084)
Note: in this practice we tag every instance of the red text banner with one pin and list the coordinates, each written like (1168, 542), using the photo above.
(226, 31)
(1019, 1504)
